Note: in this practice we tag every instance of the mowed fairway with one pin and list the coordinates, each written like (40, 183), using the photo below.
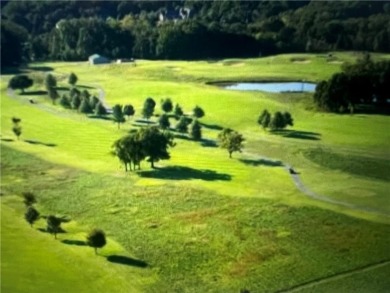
(200, 222)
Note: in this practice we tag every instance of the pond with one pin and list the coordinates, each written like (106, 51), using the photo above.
(272, 87)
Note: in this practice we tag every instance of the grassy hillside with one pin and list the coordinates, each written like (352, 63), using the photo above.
(201, 222)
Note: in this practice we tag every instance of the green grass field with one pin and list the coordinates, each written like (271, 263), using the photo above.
(201, 222)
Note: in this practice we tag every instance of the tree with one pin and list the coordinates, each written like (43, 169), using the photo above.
(20, 82)
(277, 121)
(167, 105)
(128, 149)
(85, 107)
(288, 120)
(128, 110)
(53, 225)
(264, 119)
(72, 79)
(93, 101)
(118, 115)
(64, 102)
(53, 94)
(29, 198)
(50, 82)
(178, 111)
(76, 101)
(148, 108)
(100, 109)
(196, 130)
(198, 112)
(17, 130)
(163, 121)
(231, 140)
(96, 239)
(155, 144)
(182, 125)
(31, 215)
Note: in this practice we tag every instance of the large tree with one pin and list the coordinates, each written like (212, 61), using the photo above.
(20, 82)
(198, 112)
(231, 140)
(72, 80)
(129, 150)
(148, 109)
(128, 110)
(167, 105)
(118, 115)
(277, 121)
(196, 130)
(264, 119)
(53, 225)
(96, 239)
(155, 144)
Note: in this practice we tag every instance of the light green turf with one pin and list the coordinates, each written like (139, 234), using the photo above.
(190, 219)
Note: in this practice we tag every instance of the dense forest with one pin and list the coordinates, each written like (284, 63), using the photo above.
(73, 30)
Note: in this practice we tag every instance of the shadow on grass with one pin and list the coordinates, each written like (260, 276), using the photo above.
(74, 242)
(40, 143)
(41, 68)
(209, 143)
(24, 70)
(146, 122)
(181, 136)
(85, 87)
(261, 162)
(125, 260)
(7, 139)
(62, 88)
(211, 126)
(34, 93)
(184, 173)
(102, 117)
(60, 231)
(308, 135)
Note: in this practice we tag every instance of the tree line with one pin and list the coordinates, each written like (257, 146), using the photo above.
(73, 30)
(365, 83)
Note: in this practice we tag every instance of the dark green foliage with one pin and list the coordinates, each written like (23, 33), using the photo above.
(17, 130)
(100, 109)
(167, 105)
(363, 83)
(93, 101)
(128, 110)
(29, 198)
(85, 106)
(65, 102)
(198, 112)
(118, 115)
(163, 121)
(50, 82)
(231, 140)
(16, 120)
(182, 125)
(196, 130)
(72, 80)
(96, 239)
(277, 121)
(20, 82)
(178, 111)
(85, 94)
(53, 94)
(74, 92)
(264, 119)
(31, 215)
(288, 120)
(13, 38)
(53, 225)
(148, 109)
(129, 150)
(76, 101)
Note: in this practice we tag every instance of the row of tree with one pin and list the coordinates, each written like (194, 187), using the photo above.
(69, 30)
(364, 83)
(275, 122)
(96, 237)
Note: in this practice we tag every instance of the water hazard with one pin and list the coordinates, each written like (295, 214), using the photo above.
(272, 87)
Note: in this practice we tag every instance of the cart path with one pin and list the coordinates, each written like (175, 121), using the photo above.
(335, 277)
(305, 190)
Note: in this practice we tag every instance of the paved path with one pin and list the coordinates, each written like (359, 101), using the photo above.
(305, 190)
(335, 277)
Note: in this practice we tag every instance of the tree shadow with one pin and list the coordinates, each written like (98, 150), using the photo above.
(40, 143)
(40, 68)
(125, 260)
(74, 242)
(211, 126)
(62, 88)
(308, 135)
(141, 121)
(7, 139)
(262, 162)
(34, 93)
(60, 230)
(181, 136)
(85, 87)
(208, 143)
(184, 173)
(102, 117)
